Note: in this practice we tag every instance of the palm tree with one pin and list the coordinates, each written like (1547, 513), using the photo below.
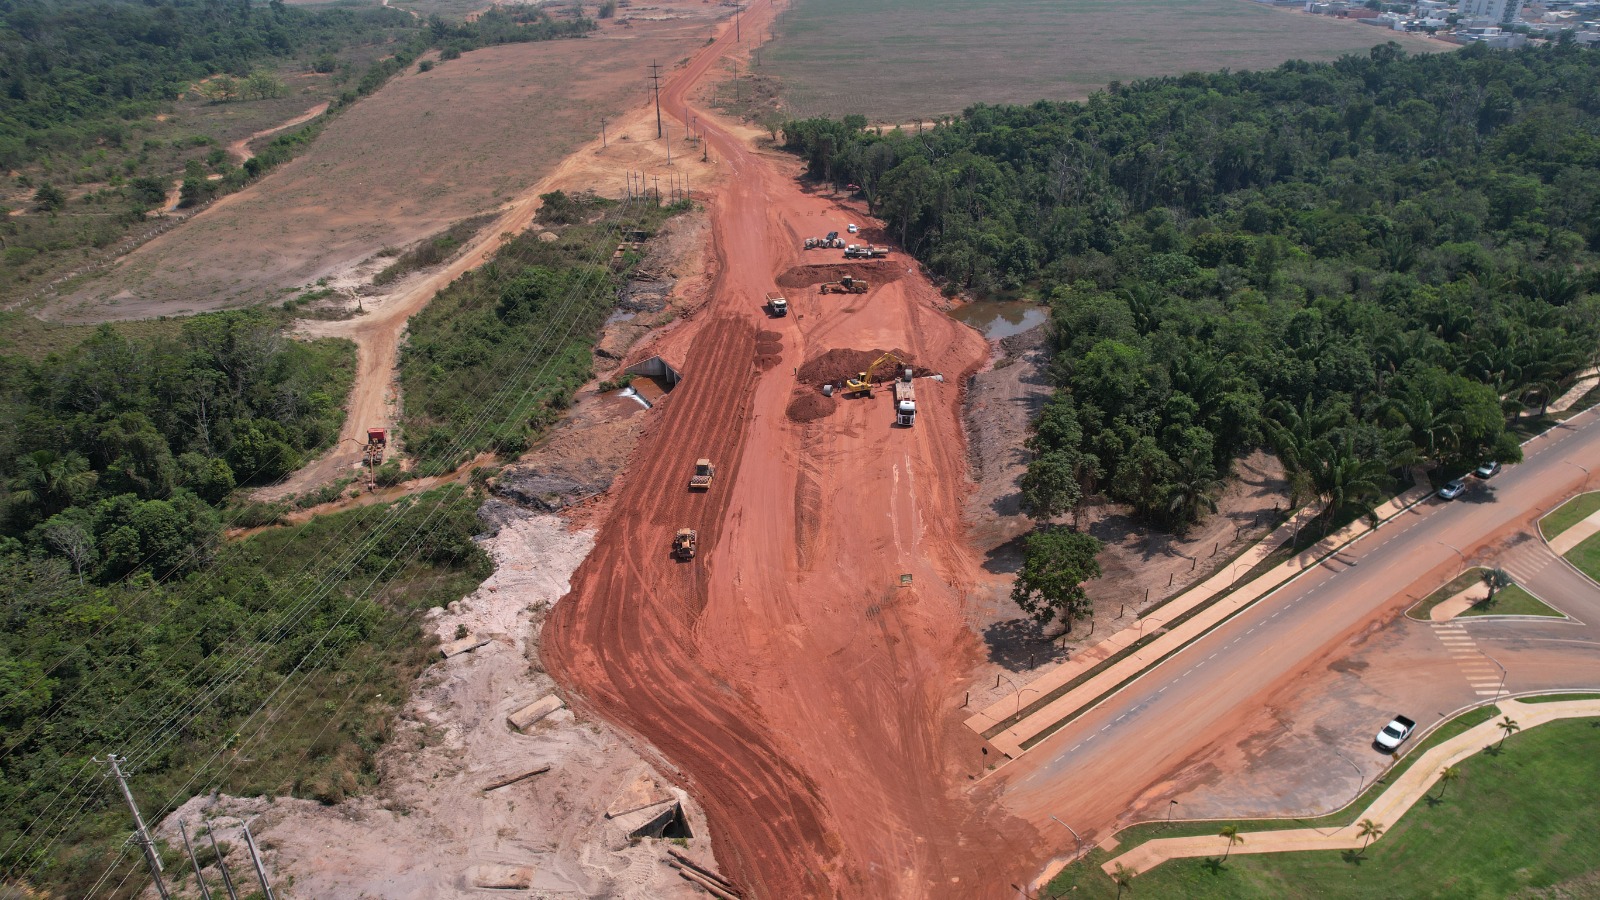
(1192, 492)
(1122, 877)
(1447, 776)
(1369, 832)
(1230, 833)
(1433, 429)
(1508, 727)
(1344, 481)
(52, 482)
(1495, 579)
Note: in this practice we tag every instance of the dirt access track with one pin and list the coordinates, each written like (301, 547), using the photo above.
(807, 693)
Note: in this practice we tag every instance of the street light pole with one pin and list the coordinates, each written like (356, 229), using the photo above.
(1359, 774)
(1585, 472)
(1171, 805)
(1503, 673)
(1074, 834)
(1457, 551)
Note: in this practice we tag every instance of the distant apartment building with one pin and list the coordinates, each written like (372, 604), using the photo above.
(1488, 12)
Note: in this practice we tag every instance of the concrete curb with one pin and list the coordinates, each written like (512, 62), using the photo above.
(1385, 810)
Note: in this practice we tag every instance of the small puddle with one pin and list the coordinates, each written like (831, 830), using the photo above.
(620, 315)
(998, 319)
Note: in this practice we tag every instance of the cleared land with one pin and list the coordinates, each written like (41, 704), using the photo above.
(429, 149)
(901, 60)
(1522, 819)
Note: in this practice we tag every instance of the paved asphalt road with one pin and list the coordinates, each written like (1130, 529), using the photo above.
(1335, 643)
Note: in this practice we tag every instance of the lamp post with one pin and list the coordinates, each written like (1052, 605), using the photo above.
(1171, 805)
(1074, 834)
(1503, 673)
(1359, 774)
(1585, 472)
(1019, 697)
(1457, 551)
(1142, 623)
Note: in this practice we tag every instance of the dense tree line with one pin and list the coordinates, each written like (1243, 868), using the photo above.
(115, 455)
(198, 661)
(74, 72)
(1366, 265)
(120, 603)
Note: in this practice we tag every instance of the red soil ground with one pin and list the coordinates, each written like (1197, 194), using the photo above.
(805, 687)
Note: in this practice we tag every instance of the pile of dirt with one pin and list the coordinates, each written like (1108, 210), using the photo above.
(835, 366)
(809, 405)
(879, 271)
(769, 347)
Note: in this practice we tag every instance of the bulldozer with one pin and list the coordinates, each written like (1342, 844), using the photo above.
(846, 285)
(683, 543)
(862, 383)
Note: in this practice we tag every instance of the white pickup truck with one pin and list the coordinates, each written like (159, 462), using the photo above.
(1395, 733)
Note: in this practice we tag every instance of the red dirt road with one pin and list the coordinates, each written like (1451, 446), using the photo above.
(806, 698)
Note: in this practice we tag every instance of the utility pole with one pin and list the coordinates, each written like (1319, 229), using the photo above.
(255, 858)
(141, 835)
(737, 34)
(603, 131)
(655, 81)
(227, 879)
(668, 141)
(657, 180)
(205, 891)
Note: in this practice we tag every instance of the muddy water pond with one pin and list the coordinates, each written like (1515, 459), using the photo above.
(998, 319)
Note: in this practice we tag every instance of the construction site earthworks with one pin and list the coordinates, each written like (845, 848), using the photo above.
(751, 598)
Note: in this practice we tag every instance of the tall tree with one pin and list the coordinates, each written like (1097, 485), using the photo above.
(1056, 563)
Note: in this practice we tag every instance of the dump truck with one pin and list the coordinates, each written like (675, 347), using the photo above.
(704, 471)
(777, 307)
(905, 401)
(683, 543)
(877, 252)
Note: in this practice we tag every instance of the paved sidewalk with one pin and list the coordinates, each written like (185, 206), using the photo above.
(1587, 379)
(1386, 810)
(1577, 534)
(1460, 603)
(1011, 740)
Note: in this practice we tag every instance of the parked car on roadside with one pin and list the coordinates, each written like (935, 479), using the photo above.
(1453, 489)
(852, 228)
(1487, 470)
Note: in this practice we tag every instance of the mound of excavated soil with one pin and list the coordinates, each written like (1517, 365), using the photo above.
(809, 405)
(769, 349)
(835, 366)
(878, 271)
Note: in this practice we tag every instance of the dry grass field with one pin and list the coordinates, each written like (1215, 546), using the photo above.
(903, 60)
(427, 150)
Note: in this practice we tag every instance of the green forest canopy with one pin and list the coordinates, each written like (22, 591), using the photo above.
(1366, 264)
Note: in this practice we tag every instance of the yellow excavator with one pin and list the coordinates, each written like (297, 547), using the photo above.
(862, 383)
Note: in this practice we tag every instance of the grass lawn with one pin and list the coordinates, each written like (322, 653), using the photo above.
(901, 60)
(1586, 556)
(1523, 819)
(1508, 601)
(1512, 601)
(1569, 514)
